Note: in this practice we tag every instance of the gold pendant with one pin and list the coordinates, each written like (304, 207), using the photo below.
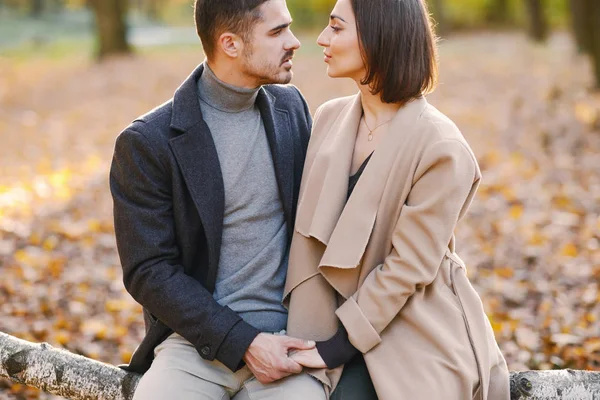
(370, 137)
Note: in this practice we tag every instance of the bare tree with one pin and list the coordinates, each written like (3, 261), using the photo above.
(579, 22)
(111, 29)
(36, 8)
(79, 378)
(153, 8)
(538, 23)
(498, 12)
(592, 9)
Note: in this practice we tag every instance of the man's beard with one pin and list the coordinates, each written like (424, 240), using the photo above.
(266, 73)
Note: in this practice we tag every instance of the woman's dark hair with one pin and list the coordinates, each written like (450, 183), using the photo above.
(213, 17)
(398, 46)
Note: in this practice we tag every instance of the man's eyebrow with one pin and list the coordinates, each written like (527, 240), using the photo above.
(282, 26)
(333, 16)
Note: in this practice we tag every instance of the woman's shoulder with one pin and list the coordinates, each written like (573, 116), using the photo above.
(440, 135)
(438, 126)
(332, 108)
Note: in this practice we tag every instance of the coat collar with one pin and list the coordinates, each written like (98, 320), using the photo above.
(198, 160)
(323, 212)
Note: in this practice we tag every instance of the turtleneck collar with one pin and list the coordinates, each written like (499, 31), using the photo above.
(223, 96)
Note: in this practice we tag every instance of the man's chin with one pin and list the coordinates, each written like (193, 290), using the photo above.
(285, 77)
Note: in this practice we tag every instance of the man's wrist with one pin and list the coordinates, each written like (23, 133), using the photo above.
(233, 350)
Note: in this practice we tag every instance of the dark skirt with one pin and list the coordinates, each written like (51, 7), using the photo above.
(355, 383)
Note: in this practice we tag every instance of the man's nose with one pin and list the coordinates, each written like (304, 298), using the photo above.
(294, 43)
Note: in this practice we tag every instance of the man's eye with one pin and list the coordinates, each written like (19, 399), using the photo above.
(277, 33)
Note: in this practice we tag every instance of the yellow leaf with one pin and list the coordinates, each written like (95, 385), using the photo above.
(126, 356)
(62, 338)
(508, 193)
(504, 272)
(96, 328)
(35, 239)
(94, 225)
(56, 267)
(50, 243)
(586, 113)
(561, 201)
(116, 305)
(591, 318)
(21, 256)
(516, 211)
(537, 239)
(569, 250)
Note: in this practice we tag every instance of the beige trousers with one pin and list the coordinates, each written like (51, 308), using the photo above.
(178, 372)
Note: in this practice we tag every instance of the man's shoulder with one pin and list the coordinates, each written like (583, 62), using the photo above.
(155, 123)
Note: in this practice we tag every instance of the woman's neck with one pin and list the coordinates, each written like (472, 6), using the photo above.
(376, 111)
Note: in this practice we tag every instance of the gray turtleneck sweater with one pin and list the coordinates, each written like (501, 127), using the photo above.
(253, 263)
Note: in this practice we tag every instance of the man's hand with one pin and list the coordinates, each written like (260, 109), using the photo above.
(267, 356)
(309, 358)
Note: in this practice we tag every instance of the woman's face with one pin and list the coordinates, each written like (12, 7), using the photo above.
(340, 40)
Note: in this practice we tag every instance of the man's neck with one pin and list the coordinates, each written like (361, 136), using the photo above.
(231, 75)
(222, 95)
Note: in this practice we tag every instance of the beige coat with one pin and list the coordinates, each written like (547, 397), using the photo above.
(384, 263)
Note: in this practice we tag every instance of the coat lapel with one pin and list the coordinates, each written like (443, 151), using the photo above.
(323, 213)
(325, 184)
(279, 135)
(198, 162)
(354, 227)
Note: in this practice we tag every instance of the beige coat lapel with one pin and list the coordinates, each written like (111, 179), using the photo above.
(349, 239)
(324, 187)
(325, 184)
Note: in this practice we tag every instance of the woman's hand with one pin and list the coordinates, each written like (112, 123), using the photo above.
(308, 358)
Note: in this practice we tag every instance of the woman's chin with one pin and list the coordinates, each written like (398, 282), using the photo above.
(332, 73)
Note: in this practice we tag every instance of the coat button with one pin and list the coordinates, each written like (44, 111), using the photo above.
(205, 350)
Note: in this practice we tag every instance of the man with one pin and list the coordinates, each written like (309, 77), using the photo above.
(205, 190)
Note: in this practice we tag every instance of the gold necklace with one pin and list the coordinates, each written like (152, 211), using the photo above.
(370, 137)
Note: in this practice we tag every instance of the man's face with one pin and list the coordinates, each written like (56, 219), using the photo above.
(267, 56)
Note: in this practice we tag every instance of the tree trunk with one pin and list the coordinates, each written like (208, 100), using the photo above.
(36, 7)
(593, 13)
(111, 30)
(498, 12)
(579, 24)
(63, 373)
(538, 24)
(153, 9)
(79, 378)
(437, 8)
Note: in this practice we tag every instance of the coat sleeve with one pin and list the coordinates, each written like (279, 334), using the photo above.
(150, 257)
(444, 184)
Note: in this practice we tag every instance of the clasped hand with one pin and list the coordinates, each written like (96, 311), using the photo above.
(273, 357)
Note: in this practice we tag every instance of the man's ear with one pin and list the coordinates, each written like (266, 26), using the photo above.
(230, 44)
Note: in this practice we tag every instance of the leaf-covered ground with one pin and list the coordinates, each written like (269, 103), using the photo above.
(531, 239)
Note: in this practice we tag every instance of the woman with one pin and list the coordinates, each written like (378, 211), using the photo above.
(373, 267)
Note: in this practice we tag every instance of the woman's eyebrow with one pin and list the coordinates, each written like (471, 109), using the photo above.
(333, 16)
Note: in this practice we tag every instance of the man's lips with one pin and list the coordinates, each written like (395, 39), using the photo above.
(288, 59)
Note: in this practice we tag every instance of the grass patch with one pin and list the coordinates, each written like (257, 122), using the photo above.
(54, 50)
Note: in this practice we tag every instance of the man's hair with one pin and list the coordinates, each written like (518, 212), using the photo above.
(398, 46)
(213, 17)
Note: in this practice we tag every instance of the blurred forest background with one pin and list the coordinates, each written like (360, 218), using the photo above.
(519, 77)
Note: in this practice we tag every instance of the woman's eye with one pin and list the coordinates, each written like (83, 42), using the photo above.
(335, 28)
